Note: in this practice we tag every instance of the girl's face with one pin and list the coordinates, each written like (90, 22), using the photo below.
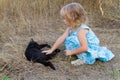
(67, 21)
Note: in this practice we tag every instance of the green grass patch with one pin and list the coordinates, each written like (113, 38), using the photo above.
(5, 78)
(116, 73)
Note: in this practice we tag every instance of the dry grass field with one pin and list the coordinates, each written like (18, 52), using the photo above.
(21, 20)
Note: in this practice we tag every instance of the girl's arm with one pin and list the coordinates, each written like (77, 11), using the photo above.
(58, 42)
(83, 42)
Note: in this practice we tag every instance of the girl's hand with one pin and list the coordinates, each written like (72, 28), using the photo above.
(47, 51)
(68, 52)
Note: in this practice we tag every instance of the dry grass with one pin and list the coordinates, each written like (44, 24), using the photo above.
(21, 20)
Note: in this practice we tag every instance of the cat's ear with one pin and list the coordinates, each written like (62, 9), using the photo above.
(31, 40)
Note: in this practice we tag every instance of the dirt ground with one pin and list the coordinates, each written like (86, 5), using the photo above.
(14, 65)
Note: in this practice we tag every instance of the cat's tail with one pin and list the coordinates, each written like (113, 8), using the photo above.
(46, 63)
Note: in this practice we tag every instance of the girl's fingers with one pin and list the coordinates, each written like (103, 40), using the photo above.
(64, 50)
(47, 52)
(44, 51)
(65, 53)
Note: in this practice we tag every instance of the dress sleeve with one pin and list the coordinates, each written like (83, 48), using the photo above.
(84, 26)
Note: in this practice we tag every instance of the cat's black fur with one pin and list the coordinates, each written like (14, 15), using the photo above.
(34, 53)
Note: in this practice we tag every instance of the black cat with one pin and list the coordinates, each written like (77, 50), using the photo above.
(34, 53)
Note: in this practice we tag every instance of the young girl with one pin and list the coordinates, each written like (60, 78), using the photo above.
(79, 39)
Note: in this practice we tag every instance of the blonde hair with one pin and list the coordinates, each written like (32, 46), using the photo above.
(75, 13)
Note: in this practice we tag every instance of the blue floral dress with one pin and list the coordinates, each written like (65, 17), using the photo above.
(95, 51)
